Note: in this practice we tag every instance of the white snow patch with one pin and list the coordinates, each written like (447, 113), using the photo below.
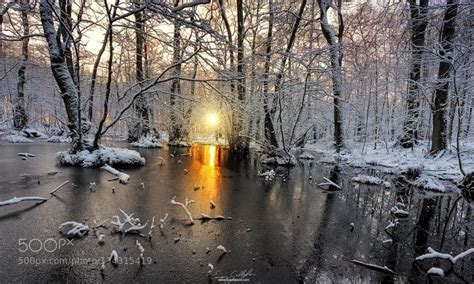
(16, 138)
(306, 156)
(367, 180)
(428, 183)
(436, 271)
(281, 160)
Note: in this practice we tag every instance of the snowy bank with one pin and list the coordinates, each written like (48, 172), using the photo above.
(100, 157)
(280, 160)
(367, 180)
(392, 159)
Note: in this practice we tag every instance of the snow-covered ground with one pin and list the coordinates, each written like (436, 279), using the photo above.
(394, 159)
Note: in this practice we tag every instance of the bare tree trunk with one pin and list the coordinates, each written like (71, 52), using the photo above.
(176, 131)
(239, 143)
(141, 107)
(20, 117)
(439, 136)
(61, 73)
(418, 22)
(269, 129)
(336, 62)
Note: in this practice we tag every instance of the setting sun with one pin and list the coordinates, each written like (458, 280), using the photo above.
(212, 119)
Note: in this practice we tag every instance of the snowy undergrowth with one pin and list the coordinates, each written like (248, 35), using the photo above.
(147, 141)
(100, 157)
(399, 160)
(280, 159)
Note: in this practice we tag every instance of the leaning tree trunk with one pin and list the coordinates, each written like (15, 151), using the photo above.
(176, 134)
(439, 136)
(418, 22)
(20, 117)
(61, 73)
(336, 62)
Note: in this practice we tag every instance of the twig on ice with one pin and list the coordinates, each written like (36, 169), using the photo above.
(16, 200)
(62, 184)
(162, 161)
(134, 223)
(142, 250)
(78, 229)
(25, 155)
(329, 182)
(162, 221)
(152, 226)
(222, 248)
(375, 267)
(114, 258)
(185, 207)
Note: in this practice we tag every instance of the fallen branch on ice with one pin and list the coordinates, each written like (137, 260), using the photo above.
(185, 207)
(16, 200)
(26, 155)
(123, 177)
(383, 269)
(56, 189)
(134, 223)
(329, 182)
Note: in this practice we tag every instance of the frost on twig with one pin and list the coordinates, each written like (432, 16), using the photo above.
(78, 229)
(133, 223)
(16, 200)
(162, 221)
(434, 254)
(114, 258)
(161, 161)
(152, 226)
(123, 177)
(101, 239)
(222, 248)
(142, 250)
(185, 207)
(211, 267)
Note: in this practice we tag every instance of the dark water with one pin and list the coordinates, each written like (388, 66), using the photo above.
(282, 231)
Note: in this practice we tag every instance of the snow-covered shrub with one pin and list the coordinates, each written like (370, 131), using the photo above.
(100, 157)
(147, 141)
(268, 175)
(16, 138)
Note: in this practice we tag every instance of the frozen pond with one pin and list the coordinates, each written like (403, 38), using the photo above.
(282, 231)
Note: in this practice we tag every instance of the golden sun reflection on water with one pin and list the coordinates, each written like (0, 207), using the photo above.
(208, 175)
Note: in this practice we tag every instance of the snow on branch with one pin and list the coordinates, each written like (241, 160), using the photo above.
(78, 229)
(190, 4)
(133, 223)
(329, 182)
(434, 254)
(56, 189)
(123, 177)
(184, 206)
(16, 200)
(26, 155)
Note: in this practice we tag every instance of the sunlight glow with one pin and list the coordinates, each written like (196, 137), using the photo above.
(212, 119)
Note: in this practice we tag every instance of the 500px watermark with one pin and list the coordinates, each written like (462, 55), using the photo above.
(47, 245)
(72, 261)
